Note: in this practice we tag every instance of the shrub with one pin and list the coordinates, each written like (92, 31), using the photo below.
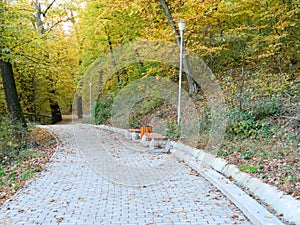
(103, 110)
(268, 107)
(248, 168)
(172, 131)
(243, 124)
(12, 139)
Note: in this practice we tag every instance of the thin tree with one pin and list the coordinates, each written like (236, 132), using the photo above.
(39, 25)
(192, 83)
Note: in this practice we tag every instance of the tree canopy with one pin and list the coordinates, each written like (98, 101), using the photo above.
(43, 63)
(48, 59)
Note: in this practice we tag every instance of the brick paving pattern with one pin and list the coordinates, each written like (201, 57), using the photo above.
(98, 177)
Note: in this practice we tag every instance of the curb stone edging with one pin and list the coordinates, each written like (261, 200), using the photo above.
(278, 200)
(210, 166)
(255, 212)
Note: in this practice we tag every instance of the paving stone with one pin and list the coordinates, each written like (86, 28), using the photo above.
(99, 177)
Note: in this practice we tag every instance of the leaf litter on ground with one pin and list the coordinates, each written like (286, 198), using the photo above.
(19, 171)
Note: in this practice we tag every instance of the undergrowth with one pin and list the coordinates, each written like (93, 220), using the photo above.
(23, 153)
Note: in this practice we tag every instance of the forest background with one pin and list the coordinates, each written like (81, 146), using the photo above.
(251, 46)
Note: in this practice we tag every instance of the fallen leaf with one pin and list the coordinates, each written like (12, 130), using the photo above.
(59, 219)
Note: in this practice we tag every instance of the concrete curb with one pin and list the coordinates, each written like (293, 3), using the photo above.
(278, 200)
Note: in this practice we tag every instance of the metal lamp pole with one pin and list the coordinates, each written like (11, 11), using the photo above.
(91, 84)
(181, 26)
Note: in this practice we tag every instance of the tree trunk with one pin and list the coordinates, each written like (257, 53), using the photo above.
(113, 58)
(11, 95)
(55, 112)
(39, 26)
(79, 106)
(192, 83)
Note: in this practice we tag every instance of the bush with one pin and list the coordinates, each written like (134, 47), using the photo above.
(103, 110)
(267, 108)
(172, 131)
(13, 138)
(244, 124)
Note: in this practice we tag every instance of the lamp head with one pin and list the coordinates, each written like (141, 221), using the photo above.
(181, 25)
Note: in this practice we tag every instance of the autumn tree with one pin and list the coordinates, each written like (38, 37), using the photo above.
(39, 26)
(8, 31)
(245, 43)
(44, 65)
(104, 25)
(192, 83)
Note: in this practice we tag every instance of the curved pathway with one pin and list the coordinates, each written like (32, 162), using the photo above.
(98, 177)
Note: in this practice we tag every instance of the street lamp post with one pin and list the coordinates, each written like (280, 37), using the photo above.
(181, 26)
(91, 84)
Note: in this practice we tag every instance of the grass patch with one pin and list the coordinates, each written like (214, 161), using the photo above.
(248, 168)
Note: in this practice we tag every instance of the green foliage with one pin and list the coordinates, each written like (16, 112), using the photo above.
(103, 25)
(126, 76)
(172, 131)
(2, 173)
(27, 174)
(222, 153)
(248, 168)
(44, 63)
(103, 109)
(12, 139)
(266, 108)
(243, 124)
(248, 154)
(145, 107)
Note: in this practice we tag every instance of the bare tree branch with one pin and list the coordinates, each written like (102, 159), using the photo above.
(44, 13)
(58, 22)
